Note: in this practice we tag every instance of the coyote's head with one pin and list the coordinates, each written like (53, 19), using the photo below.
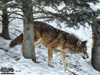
(82, 49)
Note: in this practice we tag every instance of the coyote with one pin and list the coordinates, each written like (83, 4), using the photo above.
(55, 40)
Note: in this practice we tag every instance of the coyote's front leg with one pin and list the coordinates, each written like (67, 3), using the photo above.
(63, 58)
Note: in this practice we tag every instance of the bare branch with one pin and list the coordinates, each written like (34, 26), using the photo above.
(15, 13)
(12, 20)
(16, 17)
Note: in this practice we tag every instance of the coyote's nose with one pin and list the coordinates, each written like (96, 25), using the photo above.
(87, 56)
(83, 57)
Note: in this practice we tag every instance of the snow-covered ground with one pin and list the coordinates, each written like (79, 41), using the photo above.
(14, 59)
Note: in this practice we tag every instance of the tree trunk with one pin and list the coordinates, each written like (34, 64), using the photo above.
(5, 22)
(28, 38)
(96, 46)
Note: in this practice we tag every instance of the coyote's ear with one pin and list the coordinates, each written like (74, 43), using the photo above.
(79, 42)
(84, 42)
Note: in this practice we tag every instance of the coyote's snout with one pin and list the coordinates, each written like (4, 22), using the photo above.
(55, 40)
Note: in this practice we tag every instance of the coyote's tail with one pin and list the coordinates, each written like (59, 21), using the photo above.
(16, 41)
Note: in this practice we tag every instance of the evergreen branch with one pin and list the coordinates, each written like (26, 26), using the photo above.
(44, 17)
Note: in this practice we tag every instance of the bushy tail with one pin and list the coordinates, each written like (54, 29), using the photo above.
(16, 41)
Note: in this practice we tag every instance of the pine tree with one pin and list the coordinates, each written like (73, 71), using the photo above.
(5, 23)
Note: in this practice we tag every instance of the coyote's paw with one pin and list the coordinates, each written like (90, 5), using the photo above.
(50, 65)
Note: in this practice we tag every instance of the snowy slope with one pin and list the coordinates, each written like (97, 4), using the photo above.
(14, 59)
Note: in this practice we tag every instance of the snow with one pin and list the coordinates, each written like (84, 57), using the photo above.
(13, 58)
(95, 7)
(12, 2)
(24, 66)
